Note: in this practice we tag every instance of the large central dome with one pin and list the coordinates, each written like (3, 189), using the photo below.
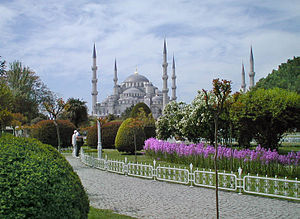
(136, 77)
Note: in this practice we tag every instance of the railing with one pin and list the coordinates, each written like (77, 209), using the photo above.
(274, 187)
(267, 186)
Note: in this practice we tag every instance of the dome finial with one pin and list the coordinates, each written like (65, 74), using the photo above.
(136, 70)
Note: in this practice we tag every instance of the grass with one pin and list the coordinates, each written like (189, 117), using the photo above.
(285, 150)
(105, 213)
(141, 158)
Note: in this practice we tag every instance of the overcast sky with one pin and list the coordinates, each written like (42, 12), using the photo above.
(209, 39)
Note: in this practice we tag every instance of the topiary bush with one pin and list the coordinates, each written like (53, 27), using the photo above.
(45, 131)
(91, 136)
(36, 181)
(108, 134)
(136, 110)
(125, 137)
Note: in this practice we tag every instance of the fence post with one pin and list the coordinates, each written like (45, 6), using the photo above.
(105, 163)
(125, 167)
(191, 175)
(240, 180)
(296, 188)
(154, 170)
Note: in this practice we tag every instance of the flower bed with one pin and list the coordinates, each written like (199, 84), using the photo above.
(259, 161)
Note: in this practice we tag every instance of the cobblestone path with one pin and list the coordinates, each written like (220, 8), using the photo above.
(144, 198)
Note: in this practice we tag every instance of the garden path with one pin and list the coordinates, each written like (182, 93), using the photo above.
(144, 198)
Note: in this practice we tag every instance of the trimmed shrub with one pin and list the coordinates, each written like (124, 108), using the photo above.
(136, 110)
(45, 131)
(125, 137)
(36, 181)
(108, 134)
(91, 136)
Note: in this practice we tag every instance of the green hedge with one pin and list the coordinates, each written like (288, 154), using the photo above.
(108, 134)
(125, 137)
(38, 182)
(45, 131)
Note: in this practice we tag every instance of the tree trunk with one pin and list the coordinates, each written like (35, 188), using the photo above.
(134, 136)
(230, 143)
(216, 165)
(58, 135)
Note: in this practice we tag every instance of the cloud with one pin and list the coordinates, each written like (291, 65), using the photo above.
(208, 38)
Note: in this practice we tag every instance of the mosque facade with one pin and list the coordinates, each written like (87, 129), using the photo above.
(134, 89)
(137, 88)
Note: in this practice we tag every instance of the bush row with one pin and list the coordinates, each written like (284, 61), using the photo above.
(45, 131)
(108, 134)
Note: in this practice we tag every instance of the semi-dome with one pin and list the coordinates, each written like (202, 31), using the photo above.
(136, 78)
(157, 98)
(133, 90)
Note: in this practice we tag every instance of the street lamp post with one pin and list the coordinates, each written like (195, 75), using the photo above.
(99, 146)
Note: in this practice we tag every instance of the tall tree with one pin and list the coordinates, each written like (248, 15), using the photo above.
(76, 111)
(268, 114)
(286, 77)
(221, 91)
(28, 90)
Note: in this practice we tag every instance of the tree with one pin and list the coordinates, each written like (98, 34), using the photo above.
(125, 137)
(268, 114)
(168, 125)
(197, 123)
(2, 68)
(5, 118)
(148, 123)
(76, 111)
(242, 124)
(136, 125)
(111, 117)
(18, 120)
(54, 108)
(221, 90)
(28, 90)
(6, 99)
(286, 77)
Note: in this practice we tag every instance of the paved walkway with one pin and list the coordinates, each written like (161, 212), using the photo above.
(144, 198)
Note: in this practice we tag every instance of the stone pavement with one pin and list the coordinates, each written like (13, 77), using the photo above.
(144, 198)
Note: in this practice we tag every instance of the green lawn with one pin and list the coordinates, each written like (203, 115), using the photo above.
(104, 213)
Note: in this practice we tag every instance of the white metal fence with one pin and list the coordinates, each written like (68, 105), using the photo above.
(267, 186)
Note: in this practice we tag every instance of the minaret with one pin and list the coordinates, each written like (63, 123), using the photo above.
(116, 79)
(243, 86)
(94, 83)
(173, 81)
(165, 89)
(251, 73)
